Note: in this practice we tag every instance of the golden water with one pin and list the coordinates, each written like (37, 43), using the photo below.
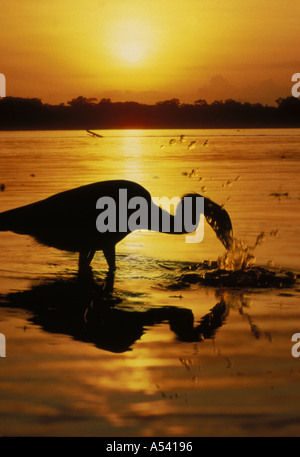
(201, 361)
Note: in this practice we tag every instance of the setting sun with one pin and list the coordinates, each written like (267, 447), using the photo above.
(131, 40)
(132, 52)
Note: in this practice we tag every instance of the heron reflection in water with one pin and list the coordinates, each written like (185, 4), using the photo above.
(82, 310)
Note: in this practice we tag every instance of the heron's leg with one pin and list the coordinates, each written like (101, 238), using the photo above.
(85, 258)
(90, 256)
(109, 282)
(110, 255)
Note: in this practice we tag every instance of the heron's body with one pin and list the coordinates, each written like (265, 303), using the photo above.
(67, 220)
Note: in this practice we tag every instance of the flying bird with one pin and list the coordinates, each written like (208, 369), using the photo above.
(67, 220)
(94, 135)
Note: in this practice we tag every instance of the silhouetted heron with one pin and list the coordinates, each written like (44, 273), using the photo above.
(67, 220)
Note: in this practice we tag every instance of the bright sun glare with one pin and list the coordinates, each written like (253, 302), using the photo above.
(131, 40)
(132, 52)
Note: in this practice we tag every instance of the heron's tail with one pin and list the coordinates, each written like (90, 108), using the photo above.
(5, 221)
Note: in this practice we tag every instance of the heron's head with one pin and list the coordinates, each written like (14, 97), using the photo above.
(219, 220)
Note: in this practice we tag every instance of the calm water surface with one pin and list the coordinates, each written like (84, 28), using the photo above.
(152, 361)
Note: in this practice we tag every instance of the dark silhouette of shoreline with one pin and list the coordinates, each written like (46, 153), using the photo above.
(88, 113)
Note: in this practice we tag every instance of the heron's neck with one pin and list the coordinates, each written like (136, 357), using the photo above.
(185, 221)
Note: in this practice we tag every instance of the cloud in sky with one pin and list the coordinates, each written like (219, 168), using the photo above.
(266, 92)
(218, 88)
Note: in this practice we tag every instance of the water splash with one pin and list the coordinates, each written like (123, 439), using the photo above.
(240, 256)
(235, 270)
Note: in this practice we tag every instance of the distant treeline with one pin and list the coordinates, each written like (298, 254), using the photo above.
(89, 113)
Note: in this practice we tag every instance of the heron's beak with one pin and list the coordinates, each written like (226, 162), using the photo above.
(227, 239)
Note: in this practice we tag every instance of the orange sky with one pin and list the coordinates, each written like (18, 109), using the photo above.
(150, 50)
